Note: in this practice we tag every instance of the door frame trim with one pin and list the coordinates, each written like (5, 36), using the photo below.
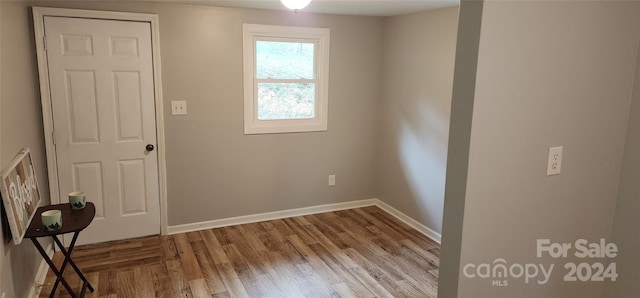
(47, 113)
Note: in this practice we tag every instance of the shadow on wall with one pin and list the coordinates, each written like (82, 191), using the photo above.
(416, 109)
(422, 152)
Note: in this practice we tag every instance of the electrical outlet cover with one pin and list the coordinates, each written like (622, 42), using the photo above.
(554, 164)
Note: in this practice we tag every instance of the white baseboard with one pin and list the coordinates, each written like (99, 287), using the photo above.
(305, 211)
(41, 274)
(433, 235)
(268, 216)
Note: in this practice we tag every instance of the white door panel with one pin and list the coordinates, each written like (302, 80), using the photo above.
(102, 97)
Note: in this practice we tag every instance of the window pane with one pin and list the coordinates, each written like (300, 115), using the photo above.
(278, 101)
(284, 60)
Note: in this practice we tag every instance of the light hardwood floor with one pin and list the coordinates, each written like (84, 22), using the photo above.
(363, 252)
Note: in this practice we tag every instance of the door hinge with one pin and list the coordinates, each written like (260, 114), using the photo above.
(44, 41)
(53, 137)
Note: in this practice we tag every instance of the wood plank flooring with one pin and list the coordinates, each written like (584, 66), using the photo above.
(363, 252)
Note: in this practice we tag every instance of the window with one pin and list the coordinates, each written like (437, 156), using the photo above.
(286, 76)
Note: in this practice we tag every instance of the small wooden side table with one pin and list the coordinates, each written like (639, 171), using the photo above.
(73, 221)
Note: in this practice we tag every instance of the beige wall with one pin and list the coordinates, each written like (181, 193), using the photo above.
(549, 74)
(20, 126)
(418, 60)
(627, 220)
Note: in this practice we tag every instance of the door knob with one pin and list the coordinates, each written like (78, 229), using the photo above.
(149, 147)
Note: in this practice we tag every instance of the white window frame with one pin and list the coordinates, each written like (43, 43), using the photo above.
(319, 36)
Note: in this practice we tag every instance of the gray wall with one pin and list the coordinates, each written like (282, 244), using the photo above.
(418, 60)
(215, 171)
(549, 74)
(1, 226)
(20, 126)
(464, 82)
(627, 220)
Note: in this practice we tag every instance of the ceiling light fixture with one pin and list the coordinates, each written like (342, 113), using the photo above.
(295, 5)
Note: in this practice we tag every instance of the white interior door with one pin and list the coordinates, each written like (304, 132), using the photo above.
(102, 98)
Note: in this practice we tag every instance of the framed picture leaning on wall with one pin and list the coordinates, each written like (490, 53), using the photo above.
(20, 193)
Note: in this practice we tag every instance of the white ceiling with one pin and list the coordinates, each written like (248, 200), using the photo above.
(347, 7)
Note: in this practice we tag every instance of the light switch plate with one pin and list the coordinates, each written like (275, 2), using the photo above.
(178, 107)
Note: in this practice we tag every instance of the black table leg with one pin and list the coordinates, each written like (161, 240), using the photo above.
(54, 269)
(77, 221)
(68, 260)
